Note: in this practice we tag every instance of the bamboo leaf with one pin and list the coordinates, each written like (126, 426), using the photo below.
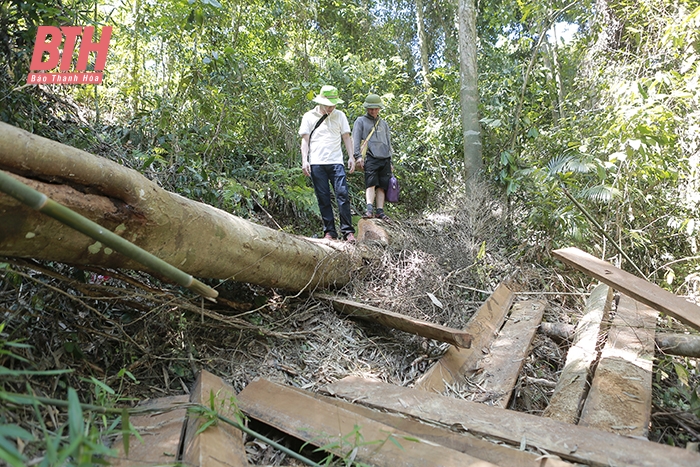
(10, 454)
(76, 424)
(126, 430)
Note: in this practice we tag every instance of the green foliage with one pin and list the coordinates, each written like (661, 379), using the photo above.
(676, 386)
(346, 447)
(78, 440)
(617, 134)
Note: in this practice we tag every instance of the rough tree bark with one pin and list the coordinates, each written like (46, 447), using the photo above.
(197, 238)
(469, 92)
(424, 55)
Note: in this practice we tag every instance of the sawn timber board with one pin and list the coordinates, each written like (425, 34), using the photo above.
(571, 442)
(633, 286)
(399, 321)
(502, 365)
(344, 432)
(483, 327)
(459, 440)
(619, 400)
(572, 387)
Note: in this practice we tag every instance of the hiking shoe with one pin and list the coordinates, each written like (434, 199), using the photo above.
(328, 237)
(368, 215)
(350, 238)
(382, 216)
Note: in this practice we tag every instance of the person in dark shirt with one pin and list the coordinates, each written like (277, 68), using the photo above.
(372, 143)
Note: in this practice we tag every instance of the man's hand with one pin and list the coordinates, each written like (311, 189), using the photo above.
(306, 168)
(351, 164)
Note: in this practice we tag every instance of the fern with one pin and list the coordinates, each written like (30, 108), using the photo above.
(569, 163)
(601, 193)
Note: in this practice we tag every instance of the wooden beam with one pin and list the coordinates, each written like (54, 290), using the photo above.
(399, 321)
(160, 431)
(483, 326)
(220, 444)
(571, 390)
(571, 442)
(502, 365)
(620, 397)
(459, 440)
(343, 432)
(632, 286)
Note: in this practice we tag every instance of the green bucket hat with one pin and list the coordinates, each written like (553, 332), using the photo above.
(373, 101)
(328, 96)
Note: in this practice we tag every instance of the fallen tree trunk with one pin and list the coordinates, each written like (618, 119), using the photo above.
(682, 345)
(197, 238)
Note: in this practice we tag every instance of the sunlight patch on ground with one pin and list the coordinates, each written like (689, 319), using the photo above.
(440, 219)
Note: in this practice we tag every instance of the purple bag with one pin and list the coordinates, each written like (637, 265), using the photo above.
(392, 193)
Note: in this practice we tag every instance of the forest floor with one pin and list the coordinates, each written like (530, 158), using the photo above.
(144, 339)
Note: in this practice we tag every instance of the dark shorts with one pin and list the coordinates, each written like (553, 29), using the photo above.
(377, 172)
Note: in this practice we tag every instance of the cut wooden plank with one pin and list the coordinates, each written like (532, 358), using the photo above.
(504, 361)
(219, 444)
(633, 286)
(620, 397)
(571, 442)
(160, 431)
(343, 432)
(571, 390)
(482, 327)
(456, 439)
(399, 321)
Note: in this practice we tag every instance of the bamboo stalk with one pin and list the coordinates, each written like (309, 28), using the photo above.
(40, 202)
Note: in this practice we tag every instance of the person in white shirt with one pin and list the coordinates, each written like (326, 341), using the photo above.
(322, 130)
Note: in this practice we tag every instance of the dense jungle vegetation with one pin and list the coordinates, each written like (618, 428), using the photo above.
(589, 111)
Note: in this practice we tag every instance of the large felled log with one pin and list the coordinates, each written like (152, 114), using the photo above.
(197, 238)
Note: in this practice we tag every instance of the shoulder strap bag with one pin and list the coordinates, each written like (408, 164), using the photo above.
(365, 142)
(318, 123)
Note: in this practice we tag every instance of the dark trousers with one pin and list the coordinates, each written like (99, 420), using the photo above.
(323, 176)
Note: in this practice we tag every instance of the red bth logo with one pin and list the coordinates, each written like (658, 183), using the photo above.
(47, 55)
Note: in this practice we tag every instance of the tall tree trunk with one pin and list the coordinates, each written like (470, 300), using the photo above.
(469, 92)
(552, 61)
(136, 58)
(197, 238)
(424, 55)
